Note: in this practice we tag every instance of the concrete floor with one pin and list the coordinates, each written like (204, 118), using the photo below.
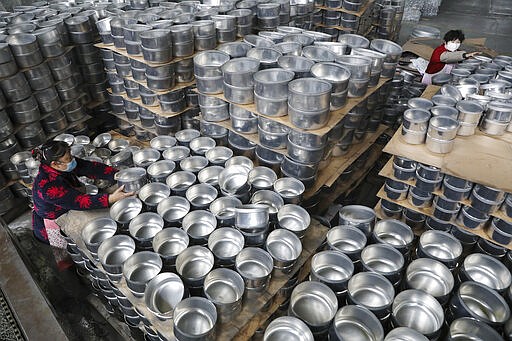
(491, 19)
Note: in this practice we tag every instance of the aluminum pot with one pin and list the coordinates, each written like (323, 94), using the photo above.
(478, 301)
(194, 318)
(225, 288)
(180, 181)
(255, 266)
(294, 218)
(465, 328)
(372, 291)
(416, 120)
(432, 277)
(144, 227)
(193, 164)
(335, 74)
(139, 269)
(283, 326)
(96, 231)
(395, 233)
(354, 320)
(113, 252)
(383, 259)
(193, 264)
(290, 189)
(300, 66)
(347, 239)
(163, 293)
(199, 224)
(131, 178)
(332, 268)
(225, 244)
(173, 209)
(285, 248)
(272, 83)
(169, 243)
(309, 94)
(201, 196)
(311, 293)
(440, 246)
(410, 308)
(125, 210)
(358, 216)
(486, 270)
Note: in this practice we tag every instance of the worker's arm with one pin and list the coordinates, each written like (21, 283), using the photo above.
(94, 170)
(452, 57)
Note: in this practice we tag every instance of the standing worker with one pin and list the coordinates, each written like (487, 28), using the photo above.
(57, 190)
(445, 55)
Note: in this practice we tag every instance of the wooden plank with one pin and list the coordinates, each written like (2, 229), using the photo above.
(154, 109)
(387, 172)
(359, 13)
(430, 91)
(254, 311)
(335, 116)
(428, 211)
(162, 92)
(139, 58)
(354, 180)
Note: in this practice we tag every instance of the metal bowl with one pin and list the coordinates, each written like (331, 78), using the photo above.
(200, 145)
(274, 202)
(96, 231)
(176, 153)
(392, 50)
(383, 259)
(486, 270)
(226, 243)
(267, 56)
(354, 40)
(254, 265)
(199, 224)
(332, 268)
(347, 239)
(284, 247)
(309, 94)
(294, 218)
(125, 210)
(160, 170)
(194, 318)
(418, 310)
(301, 66)
(466, 328)
(193, 163)
(161, 143)
(262, 178)
(210, 175)
(233, 179)
(145, 226)
(431, 276)
(218, 155)
(287, 327)
(404, 334)
(101, 140)
(235, 49)
(163, 293)
(290, 189)
(114, 251)
(308, 294)
(334, 73)
(131, 178)
(359, 216)
(372, 291)
(395, 233)
(173, 209)
(193, 264)
(201, 196)
(145, 157)
(139, 269)
(180, 181)
(356, 322)
(169, 243)
(440, 246)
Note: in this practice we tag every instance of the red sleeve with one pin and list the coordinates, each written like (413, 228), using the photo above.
(59, 194)
(436, 54)
(94, 170)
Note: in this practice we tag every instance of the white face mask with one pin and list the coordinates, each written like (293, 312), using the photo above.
(452, 46)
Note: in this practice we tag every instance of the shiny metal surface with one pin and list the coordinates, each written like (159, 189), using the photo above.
(289, 328)
(218, 155)
(430, 276)
(131, 178)
(290, 189)
(114, 251)
(145, 226)
(359, 216)
(372, 291)
(255, 266)
(201, 195)
(125, 210)
(163, 293)
(193, 163)
(272, 200)
(199, 224)
(170, 242)
(173, 209)
(193, 264)
(383, 259)
(139, 269)
(294, 218)
(353, 322)
(332, 268)
(418, 310)
(226, 243)
(313, 294)
(284, 247)
(194, 318)
(395, 233)
(160, 170)
(96, 231)
(225, 288)
(486, 270)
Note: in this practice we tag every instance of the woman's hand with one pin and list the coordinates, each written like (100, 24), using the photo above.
(472, 54)
(118, 194)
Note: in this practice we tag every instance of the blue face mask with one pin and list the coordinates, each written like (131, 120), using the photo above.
(71, 165)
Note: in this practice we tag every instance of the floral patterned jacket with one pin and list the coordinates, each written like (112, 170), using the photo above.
(55, 193)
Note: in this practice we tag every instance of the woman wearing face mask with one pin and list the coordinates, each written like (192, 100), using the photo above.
(56, 189)
(445, 55)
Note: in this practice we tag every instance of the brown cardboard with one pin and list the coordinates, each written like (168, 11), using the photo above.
(423, 47)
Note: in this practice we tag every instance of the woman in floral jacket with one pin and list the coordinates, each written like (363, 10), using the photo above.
(57, 190)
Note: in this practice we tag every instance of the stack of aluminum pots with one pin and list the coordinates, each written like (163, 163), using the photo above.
(389, 17)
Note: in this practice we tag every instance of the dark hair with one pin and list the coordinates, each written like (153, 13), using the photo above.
(454, 35)
(50, 151)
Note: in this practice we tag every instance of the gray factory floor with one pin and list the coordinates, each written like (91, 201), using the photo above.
(490, 19)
